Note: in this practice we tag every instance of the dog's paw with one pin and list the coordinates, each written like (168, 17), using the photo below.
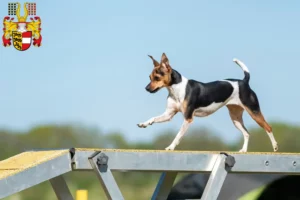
(275, 147)
(141, 125)
(243, 151)
(170, 148)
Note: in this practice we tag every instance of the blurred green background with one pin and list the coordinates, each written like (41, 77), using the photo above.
(134, 185)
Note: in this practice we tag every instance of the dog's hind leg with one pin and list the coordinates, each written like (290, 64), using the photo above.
(236, 114)
(251, 105)
(259, 118)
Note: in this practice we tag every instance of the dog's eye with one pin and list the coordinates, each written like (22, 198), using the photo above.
(156, 78)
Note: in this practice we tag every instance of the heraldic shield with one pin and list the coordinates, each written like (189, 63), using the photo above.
(22, 41)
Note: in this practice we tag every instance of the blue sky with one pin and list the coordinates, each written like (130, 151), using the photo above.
(93, 67)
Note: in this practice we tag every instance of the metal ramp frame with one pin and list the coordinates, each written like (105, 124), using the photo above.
(33, 167)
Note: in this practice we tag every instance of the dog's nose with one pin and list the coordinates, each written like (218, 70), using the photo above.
(148, 87)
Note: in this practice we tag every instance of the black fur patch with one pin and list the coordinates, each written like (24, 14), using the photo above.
(203, 94)
(247, 95)
(175, 77)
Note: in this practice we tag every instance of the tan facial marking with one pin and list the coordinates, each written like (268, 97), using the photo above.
(161, 74)
(159, 78)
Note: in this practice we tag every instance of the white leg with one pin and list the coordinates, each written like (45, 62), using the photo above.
(179, 135)
(239, 125)
(273, 141)
(166, 116)
(236, 114)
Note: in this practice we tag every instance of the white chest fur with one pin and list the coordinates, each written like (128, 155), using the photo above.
(177, 91)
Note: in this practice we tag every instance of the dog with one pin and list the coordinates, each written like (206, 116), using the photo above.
(194, 98)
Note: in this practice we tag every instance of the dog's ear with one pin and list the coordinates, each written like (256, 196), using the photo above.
(165, 62)
(164, 59)
(155, 63)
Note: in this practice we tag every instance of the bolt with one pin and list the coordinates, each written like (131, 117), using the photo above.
(102, 159)
(267, 163)
(294, 163)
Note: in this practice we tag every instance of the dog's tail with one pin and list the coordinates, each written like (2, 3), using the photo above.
(244, 68)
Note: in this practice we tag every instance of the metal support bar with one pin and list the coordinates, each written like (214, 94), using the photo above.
(19, 174)
(60, 188)
(99, 162)
(191, 161)
(217, 177)
(164, 186)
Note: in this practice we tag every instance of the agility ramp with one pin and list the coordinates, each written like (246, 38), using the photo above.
(33, 167)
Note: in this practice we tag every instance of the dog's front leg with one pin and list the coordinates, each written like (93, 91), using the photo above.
(166, 116)
(180, 134)
(171, 110)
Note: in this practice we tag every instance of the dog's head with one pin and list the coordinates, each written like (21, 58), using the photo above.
(161, 74)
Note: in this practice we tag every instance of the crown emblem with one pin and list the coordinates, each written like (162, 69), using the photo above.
(22, 33)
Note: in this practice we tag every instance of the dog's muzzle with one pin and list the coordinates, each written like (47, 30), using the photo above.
(148, 88)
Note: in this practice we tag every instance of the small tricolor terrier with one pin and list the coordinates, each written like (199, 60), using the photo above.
(194, 98)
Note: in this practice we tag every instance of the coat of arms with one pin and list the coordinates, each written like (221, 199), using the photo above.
(22, 33)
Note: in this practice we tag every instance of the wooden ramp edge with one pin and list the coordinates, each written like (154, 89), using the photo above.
(31, 168)
(26, 160)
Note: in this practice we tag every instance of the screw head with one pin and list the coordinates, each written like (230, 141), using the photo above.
(267, 163)
(294, 163)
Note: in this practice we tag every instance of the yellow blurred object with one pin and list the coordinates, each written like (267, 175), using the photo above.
(81, 195)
